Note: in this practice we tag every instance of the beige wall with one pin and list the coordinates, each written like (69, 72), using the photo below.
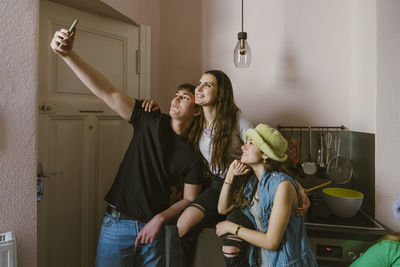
(388, 110)
(18, 119)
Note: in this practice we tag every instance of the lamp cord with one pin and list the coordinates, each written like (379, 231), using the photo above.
(242, 16)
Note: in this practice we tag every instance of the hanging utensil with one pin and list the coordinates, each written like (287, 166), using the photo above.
(309, 167)
(339, 170)
(321, 143)
(321, 172)
(328, 143)
(299, 168)
(319, 158)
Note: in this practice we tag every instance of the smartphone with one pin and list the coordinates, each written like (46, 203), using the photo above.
(71, 29)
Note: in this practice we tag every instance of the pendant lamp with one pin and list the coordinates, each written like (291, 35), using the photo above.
(242, 52)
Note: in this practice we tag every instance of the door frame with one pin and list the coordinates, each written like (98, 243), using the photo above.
(143, 59)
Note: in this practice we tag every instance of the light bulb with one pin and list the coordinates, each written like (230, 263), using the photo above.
(242, 53)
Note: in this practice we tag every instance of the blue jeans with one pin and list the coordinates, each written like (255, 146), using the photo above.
(116, 245)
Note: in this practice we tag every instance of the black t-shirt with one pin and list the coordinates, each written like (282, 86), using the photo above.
(155, 160)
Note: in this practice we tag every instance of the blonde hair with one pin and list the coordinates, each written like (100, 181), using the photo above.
(393, 236)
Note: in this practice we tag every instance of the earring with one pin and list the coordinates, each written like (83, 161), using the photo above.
(265, 160)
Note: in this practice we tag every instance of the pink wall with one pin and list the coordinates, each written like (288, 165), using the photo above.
(181, 44)
(18, 119)
(314, 63)
(300, 72)
(145, 12)
(302, 62)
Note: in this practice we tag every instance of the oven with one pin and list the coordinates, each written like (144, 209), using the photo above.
(339, 241)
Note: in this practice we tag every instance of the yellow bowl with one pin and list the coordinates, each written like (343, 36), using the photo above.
(343, 202)
(342, 192)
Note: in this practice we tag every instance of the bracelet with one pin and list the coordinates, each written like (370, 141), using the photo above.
(237, 230)
(227, 183)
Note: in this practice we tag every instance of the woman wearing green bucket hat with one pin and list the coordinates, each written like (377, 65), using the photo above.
(268, 199)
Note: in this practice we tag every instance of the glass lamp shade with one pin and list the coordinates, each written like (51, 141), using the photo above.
(242, 52)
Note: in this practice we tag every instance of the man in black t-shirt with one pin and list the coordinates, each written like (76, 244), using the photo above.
(133, 228)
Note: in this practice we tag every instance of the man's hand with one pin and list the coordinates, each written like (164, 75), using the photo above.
(150, 105)
(305, 201)
(67, 44)
(150, 230)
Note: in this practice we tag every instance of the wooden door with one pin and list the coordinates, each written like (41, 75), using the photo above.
(78, 134)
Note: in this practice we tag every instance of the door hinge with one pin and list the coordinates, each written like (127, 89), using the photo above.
(138, 63)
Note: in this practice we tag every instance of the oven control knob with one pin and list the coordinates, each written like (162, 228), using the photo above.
(352, 255)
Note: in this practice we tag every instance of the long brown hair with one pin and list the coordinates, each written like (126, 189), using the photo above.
(238, 196)
(223, 126)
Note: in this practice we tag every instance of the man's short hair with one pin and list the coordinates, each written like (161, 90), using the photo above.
(187, 86)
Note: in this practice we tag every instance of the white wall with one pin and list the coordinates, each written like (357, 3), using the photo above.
(18, 118)
(388, 110)
(363, 70)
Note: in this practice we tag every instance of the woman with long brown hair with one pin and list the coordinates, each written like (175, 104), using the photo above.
(218, 135)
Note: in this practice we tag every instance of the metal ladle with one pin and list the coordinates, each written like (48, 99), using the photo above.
(309, 167)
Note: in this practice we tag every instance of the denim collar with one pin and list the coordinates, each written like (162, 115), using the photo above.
(254, 182)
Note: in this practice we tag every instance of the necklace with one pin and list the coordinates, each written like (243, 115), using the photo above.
(262, 227)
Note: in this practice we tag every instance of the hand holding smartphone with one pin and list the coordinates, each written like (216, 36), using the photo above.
(70, 31)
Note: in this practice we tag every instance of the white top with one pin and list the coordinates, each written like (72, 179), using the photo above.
(234, 151)
(254, 210)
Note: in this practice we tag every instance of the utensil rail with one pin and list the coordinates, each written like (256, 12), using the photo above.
(341, 127)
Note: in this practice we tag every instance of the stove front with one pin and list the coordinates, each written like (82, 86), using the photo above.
(339, 241)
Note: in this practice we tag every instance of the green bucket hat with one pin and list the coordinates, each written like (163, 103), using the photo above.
(269, 140)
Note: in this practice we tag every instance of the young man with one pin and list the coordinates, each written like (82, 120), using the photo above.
(133, 228)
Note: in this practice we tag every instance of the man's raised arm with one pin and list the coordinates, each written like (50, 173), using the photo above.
(94, 80)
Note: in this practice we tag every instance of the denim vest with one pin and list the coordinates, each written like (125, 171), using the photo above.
(294, 249)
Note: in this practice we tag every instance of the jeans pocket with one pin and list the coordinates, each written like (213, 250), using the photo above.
(108, 220)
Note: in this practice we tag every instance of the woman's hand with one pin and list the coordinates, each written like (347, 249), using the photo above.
(225, 204)
(150, 105)
(225, 227)
(235, 169)
(58, 39)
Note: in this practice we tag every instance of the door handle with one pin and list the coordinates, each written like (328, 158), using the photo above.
(40, 180)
